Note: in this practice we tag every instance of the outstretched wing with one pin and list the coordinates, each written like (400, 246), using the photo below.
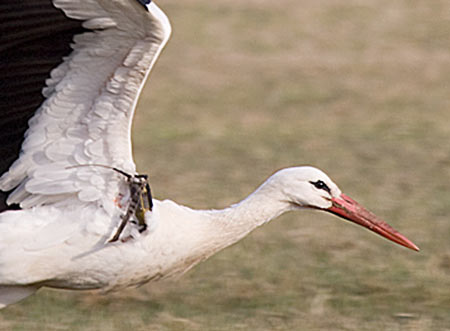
(71, 74)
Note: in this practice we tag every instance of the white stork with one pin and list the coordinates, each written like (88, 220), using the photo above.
(74, 214)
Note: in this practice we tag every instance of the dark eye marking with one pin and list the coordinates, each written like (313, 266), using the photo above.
(320, 185)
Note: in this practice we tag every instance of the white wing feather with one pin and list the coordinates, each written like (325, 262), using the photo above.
(90, 101)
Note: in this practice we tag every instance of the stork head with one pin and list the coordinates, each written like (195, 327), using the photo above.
(308, 187)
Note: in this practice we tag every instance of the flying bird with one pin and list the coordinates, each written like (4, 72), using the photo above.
(74, 213)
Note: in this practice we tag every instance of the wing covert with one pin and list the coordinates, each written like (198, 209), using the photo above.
(89, 103)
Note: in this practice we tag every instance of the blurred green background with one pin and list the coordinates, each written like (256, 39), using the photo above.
(357, 88)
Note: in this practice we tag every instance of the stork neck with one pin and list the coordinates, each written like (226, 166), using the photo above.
(201, 233)
(260, 207)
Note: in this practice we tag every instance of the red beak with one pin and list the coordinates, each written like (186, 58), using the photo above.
(349, 209)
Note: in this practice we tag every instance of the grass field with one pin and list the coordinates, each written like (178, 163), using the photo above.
(357, 88)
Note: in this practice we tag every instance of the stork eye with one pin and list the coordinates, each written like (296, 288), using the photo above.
(320, 185)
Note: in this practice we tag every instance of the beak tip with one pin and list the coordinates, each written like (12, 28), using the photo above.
(409, 244)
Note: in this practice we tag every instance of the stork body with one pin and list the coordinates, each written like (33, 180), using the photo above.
(55, 251)
(60, 201)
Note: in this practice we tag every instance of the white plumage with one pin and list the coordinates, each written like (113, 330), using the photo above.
(71, 205)
(90, 100)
